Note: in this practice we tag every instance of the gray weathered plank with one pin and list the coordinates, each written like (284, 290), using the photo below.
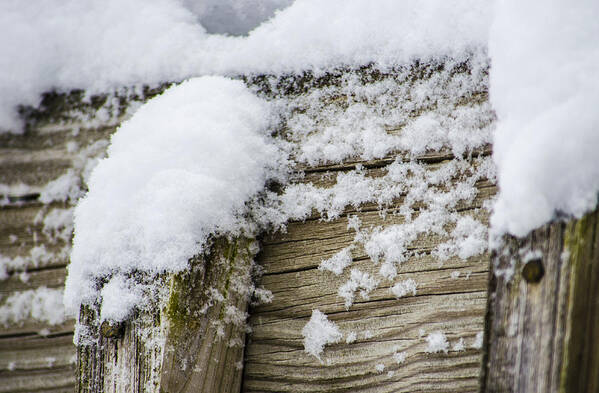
(542, 328)
(275, 358)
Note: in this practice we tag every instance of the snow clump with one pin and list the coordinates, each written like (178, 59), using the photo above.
(318, 332)
(545, 90)
(437, 342)
(57, 44)
(179, 171)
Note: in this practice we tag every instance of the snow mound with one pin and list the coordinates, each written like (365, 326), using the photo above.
(318, 332)
(180, 170)
(101, 45)
(544, 87)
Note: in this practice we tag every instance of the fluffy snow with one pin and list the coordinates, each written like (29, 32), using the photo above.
(179, 171)
(351, 337)
(399, 357)
(404, 288)
(105, 44)
(358, 281)
(41, 304)
(338, 262)
(545, 90)
(318, 332)
(437, 342)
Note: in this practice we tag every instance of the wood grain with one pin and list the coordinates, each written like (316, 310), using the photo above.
(30, 361)
(543, 336)
(275, 359)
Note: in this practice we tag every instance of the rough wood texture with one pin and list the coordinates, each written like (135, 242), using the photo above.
(195, 343)
(384, 325)
(36, 356)
(204, 344)
(543, 335)
(174, 351)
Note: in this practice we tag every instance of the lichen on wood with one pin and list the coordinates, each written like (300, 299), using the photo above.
(542, 333)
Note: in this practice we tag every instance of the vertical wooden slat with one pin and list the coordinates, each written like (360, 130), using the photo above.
(542, 334)
(179, 349)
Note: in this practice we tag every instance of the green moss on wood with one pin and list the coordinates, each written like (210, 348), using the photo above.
(577, 375)
(188, 290)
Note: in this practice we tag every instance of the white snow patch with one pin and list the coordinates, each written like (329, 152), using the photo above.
(180, 170)
(478, 341)
(119, 298)
(56, 44)
(351, 337)
(437, 342)
(399, 357)
(358, 280)
(459, 345)
(41, 304)
(338, 262)
(379, 368)
(318, 332)
(403, 288)
(544, 87)
(58, 224)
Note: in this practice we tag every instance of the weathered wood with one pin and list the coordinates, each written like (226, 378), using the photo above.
(542, 331)
(194, 343)
(204, 344)
(36, 356)
(276, 360)
(31, 363)
(173, 349)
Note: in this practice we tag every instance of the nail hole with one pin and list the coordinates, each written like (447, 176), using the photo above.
(533, 270)
(112, 329)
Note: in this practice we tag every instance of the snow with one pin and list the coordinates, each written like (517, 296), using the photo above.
(351, 337)
(193, 162)
(458, 346)
(544, 88)
(399, 357)
(358, 280)
(437, 342)
(179, 171)
(478, 341)
(338, 262)
(105, 44)
(318, 332)
(41, 304)
(403, 288)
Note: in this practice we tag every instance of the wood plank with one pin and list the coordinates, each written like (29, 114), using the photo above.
(298, 293)
(305, 244)
(276, 360)
(37, 327)
(542, 328)
(36, 353)
(52, 277)
(51, 380)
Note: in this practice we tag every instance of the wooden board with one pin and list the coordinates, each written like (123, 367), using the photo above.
(34, 355)
(276, 360)
(543, 331)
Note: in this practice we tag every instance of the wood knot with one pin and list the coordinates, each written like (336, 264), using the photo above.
(533, 270)
(112, 329)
